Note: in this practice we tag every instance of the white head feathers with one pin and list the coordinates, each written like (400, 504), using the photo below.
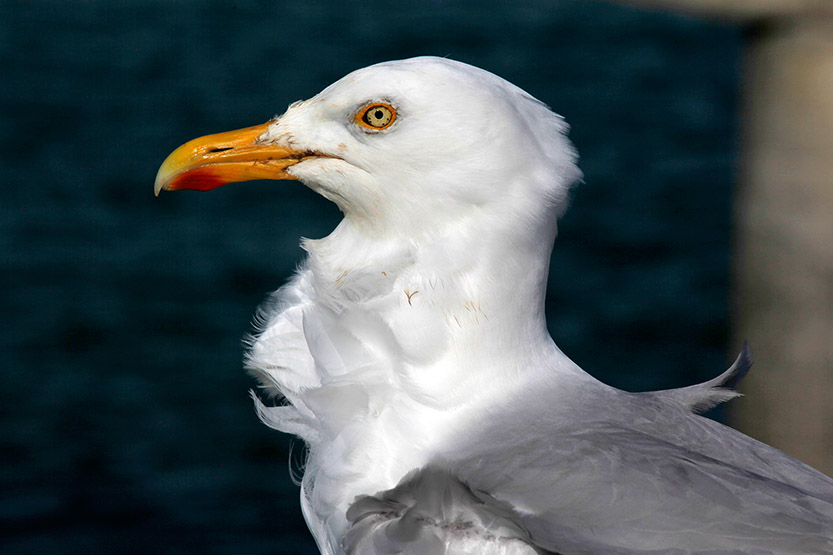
(464, 142)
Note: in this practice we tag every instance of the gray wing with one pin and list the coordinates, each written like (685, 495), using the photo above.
(594, 469)
(614, 490)
(647, 498)
(584, 468)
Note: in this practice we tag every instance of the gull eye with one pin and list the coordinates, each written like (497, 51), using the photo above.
(376, 116)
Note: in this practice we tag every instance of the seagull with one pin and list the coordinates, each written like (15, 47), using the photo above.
(410, 351)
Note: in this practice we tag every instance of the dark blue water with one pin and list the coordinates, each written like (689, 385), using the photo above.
(125, 421)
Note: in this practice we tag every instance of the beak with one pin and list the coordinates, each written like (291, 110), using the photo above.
(214, 160)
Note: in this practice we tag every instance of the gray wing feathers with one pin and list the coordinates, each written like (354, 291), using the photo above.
(641, 495)
(597, 470)
(606, 489)
(650, 497)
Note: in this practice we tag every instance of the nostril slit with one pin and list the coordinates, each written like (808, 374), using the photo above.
(222, 149)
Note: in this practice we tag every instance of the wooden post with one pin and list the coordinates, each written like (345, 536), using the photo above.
(784, 217)
(783, 260)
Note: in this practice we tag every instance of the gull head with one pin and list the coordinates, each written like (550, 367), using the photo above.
(405, 148)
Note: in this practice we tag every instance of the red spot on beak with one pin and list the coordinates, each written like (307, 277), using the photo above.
(198, 179)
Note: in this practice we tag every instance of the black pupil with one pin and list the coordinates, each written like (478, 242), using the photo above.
(379, 114)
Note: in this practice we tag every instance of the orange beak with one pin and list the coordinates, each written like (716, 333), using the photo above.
(214, 160)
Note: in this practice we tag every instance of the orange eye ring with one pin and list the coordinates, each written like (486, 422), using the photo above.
(377, 116)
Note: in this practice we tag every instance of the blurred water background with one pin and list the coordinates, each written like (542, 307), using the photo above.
(125, 420)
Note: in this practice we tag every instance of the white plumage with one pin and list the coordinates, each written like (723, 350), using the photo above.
(413, 355)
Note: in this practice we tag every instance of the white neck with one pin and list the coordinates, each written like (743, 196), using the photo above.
(402, 340)
(449, 298)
